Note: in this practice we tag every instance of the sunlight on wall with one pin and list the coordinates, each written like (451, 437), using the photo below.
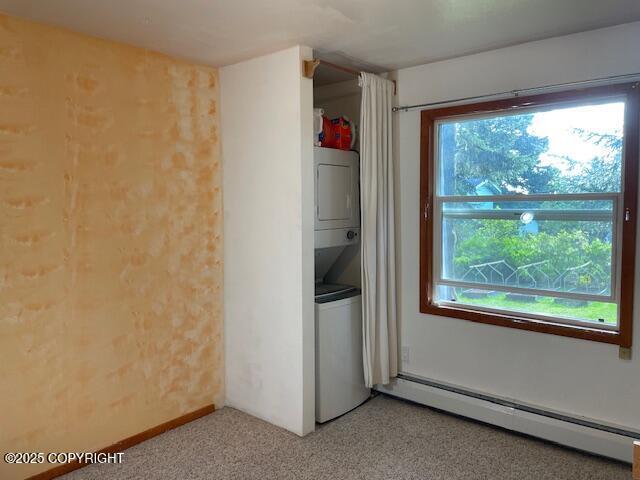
(110, 241)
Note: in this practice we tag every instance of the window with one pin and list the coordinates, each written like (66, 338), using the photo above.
(529, 212)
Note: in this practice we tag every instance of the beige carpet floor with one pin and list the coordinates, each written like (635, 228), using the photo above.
(385, 438)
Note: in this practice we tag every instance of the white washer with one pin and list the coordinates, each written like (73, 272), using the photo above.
(339, 372)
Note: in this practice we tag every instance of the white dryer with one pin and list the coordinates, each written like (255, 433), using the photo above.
(337, 197)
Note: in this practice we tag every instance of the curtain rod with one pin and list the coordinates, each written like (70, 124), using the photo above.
(517, 92)
(309, 69)
(311, 65)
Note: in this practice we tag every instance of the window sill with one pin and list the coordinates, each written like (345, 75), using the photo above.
(522, 323)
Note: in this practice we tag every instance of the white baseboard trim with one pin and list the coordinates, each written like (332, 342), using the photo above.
(575, 435)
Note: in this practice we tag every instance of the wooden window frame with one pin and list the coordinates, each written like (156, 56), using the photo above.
(631, 94)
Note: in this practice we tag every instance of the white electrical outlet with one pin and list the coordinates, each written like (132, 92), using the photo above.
(405, 355)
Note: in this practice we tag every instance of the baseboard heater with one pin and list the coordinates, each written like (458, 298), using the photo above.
(581, 433)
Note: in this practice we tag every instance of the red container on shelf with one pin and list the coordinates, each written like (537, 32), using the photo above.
(336, 133)
(327, 137)
(342, 132)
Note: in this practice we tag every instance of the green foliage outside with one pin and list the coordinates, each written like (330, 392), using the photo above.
(501, 151)
(492, 240)
(592, 311)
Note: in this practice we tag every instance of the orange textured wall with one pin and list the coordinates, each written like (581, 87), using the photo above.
(110, 241)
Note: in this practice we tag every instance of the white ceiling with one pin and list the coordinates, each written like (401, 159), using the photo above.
(377, 35)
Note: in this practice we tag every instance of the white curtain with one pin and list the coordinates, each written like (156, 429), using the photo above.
(380, 349)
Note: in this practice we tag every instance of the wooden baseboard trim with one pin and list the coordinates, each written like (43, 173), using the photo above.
(636, 460)
(128, 442)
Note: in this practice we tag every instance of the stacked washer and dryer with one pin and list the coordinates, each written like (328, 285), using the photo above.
(338, 308)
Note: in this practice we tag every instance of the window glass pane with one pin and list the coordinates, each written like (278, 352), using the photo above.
(550, 249)
(603, 313)
(561, 150)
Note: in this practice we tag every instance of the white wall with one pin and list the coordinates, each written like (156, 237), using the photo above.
(266, 117)
(575, 376)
